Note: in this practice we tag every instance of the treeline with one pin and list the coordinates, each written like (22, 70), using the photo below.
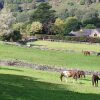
(15, 25)
(86, 16)
(16, 1)
(88, 2)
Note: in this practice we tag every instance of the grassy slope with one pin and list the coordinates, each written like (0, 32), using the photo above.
(78, 47)
(58, 58)
(27, 84)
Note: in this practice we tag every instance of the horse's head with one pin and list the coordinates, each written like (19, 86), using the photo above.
(80, 73)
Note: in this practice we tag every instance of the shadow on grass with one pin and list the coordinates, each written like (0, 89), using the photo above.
(15, 87)
(2, 68)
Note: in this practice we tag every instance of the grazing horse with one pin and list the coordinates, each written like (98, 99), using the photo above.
(86, 53)
(95, 79)
(81, 73)
(71, 73)
(98, 54)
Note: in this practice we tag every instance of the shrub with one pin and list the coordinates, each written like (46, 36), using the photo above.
(16, 35)
(11, 36)
(90, 26)
(82, 2)
(69, 38)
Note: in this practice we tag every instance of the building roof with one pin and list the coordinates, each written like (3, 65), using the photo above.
(84, 32)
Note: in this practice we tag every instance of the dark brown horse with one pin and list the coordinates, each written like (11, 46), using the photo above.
(81, 73)
(86, 53)
(98, 54)
(95, 79)
(72, 73)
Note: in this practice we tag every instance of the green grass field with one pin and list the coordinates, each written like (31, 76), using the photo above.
(78, 47)
(28, 84)
(56, 58)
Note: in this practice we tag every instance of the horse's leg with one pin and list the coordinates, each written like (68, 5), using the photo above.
(80, 76)
(74, 77)
(84, 75)
(61, 76)
(97, 83)
(93, 82)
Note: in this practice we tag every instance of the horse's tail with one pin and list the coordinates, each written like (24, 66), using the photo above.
(61, 76)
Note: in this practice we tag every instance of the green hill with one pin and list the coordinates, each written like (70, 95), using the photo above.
(58, 5)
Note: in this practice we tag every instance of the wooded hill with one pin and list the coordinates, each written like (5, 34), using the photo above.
(22, 16)
(58, 5)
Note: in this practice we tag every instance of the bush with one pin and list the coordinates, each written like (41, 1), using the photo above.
(69, 38)
(90, 26)
(16, 35)
(11, 36)
(70, 3)
(82, 2)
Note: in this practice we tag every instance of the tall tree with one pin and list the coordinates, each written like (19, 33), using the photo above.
(43, 13)
(71, 24)
(6, 21)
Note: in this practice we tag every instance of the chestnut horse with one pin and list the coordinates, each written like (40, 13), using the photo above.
(95, 79)
(86, 53)
(72, 73)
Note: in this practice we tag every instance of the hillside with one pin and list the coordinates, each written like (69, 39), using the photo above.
(58, 5)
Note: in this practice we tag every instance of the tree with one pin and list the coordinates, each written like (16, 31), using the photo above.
(59, 26)
(52, 29)
(6, 21)
(91, 18)
(43, 13)
(88, 2)
(71, 23)
(18, 26)
(90, 26)
(59, 22)
(82, 2)
(92, 13)
(55, 30)
(36, 27)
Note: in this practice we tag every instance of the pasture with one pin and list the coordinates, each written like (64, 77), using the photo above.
(28, 84)
(77, 47)
(65, 59)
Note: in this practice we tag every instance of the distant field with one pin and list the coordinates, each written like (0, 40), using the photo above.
(28, 84)
(78, 47)
(74, 60)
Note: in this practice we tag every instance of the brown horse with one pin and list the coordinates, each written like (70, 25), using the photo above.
(81, 73)
(86, 53)
(72, 73)
(95, 79)
(98, 54)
